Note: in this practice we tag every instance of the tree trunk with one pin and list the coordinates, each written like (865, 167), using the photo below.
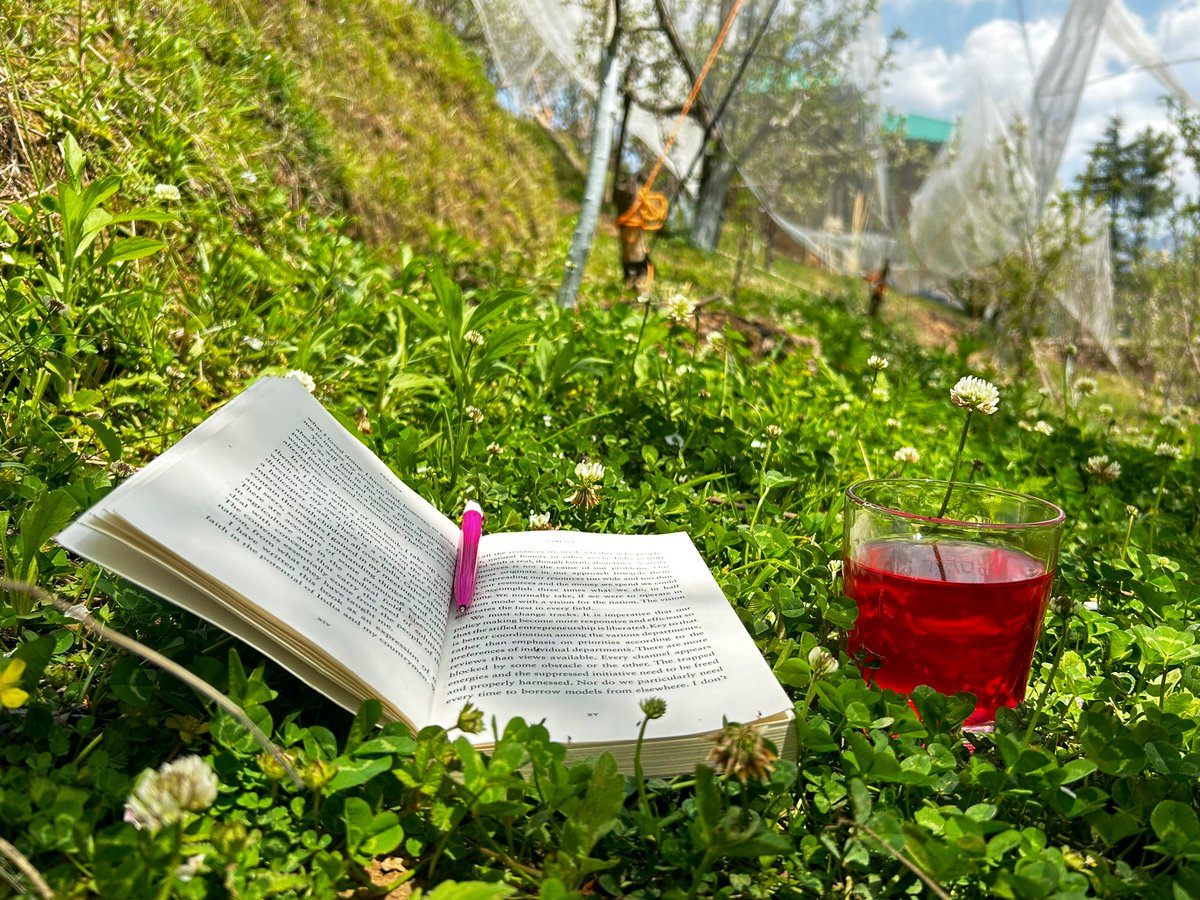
(710, 204)
(602, 137)
(770, 232)
(636, 267)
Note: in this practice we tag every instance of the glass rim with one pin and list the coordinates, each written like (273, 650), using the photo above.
(853, 493)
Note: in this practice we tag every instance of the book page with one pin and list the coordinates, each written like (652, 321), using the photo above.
(577, 629)
(285, 508)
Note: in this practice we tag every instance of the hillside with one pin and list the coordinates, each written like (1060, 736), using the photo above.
(367, 111)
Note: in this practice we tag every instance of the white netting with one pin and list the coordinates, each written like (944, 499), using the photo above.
(798, 86)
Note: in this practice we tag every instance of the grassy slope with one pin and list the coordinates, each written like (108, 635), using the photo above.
(371, 109)
(416, 123)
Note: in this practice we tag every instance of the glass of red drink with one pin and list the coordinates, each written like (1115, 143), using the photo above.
(955, 602)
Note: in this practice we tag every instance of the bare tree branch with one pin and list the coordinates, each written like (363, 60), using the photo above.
(668, 27)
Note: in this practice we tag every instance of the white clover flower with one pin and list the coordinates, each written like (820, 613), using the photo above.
(121, 469)
(822, 662)
(303, 377)
(842, 408)
(678, 308)
(1064, 606)
(715, 339)
(166, 192)
(833, 434)
(773, 432)
(539, 521)
(474, 413)
(190, 867)
(1102, 469)
(1169, 450)
(976, 395)
(1170, 422)
(474, 338)
(877, 363)
(907, 455)
(1024, 426)
(161, 797)
(892, 423)
(494, 449)
(1105, 409)
(1086, 386)
(1131, 510)
(587, 488)
(589, 473)
(1043, 427)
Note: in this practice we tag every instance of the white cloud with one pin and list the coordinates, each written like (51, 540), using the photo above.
(1178, 30)
(931, 81)
(940, 78)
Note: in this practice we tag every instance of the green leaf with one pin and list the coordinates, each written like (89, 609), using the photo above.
(108, 438)
(130, 248)
(448, 295)
(73, 158)
(1165, 643)
(131, 682)
(369, 833)
(50, 512)
(36, 654)
(364, 723)
(142, 214)
(419, 313)
(1110, 745)
(1177, 828)
(708, 802)
(399, 745)
(467, 890)
(598, 811)
(860, 800)
(490, 307)
(355, 772)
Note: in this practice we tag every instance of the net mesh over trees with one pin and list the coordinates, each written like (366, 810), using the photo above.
(796, 93)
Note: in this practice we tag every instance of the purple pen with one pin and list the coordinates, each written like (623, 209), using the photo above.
(468, 555)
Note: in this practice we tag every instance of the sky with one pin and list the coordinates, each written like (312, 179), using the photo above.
(952, 46)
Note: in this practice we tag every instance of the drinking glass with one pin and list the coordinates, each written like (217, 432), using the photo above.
(954, 601)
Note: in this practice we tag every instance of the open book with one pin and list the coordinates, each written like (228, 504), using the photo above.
(274, 523)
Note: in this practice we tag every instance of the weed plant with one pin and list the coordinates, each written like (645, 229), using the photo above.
(120, 781)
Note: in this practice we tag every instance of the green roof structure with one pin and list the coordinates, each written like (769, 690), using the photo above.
(918, 128)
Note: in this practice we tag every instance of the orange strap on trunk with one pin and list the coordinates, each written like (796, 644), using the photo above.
(649, 210)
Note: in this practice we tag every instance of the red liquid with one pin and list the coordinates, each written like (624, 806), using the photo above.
(968, 624)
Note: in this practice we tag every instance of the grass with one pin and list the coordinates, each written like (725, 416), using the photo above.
(416, 125)
(747, 448)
